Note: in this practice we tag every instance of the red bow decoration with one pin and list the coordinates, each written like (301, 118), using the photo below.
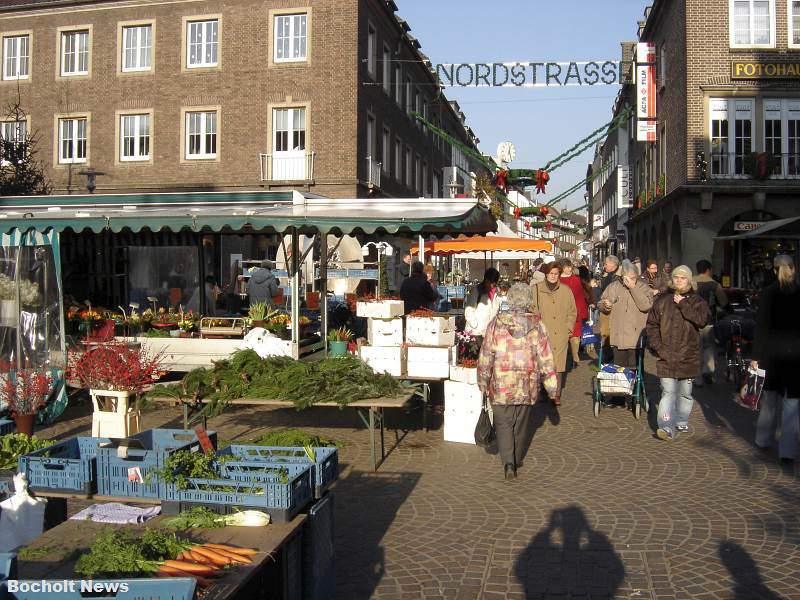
(548, 225)
(517, 212)
(500, 180)
(543, 210)
(527, 224)
(541, 180)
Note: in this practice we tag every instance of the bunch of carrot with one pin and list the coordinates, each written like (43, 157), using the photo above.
(205, 560)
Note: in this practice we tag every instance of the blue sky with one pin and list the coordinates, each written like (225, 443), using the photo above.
(542, 122)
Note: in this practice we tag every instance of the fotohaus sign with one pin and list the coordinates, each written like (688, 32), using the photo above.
(745, 69)
(531, 74)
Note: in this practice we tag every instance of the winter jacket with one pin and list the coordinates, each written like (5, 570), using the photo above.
(673, 334)
(515, 359)
(628, 312)
(777, 342)
(659, 283)
(558, 311)
(416, 292)
(573, 282)
(606, 279)
(712, 292)
(478, 314)
(263, 286)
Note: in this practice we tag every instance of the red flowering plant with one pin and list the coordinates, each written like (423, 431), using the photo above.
(115, 366)
(25, 391)
(469, 348)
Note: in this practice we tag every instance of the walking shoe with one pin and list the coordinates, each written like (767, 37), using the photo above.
(663, 434)
(683, 428)
(510, 472)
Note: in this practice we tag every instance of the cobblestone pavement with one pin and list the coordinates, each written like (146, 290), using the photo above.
(601, 509)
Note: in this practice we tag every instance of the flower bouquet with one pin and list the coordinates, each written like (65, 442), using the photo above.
(24, 392)
(279, 325)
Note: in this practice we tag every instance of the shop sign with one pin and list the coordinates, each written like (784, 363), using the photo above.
(646, 131)
(745, 69)
(597, 221)
(624, 186)
(646, 91)
(645, 52)
(747, 225)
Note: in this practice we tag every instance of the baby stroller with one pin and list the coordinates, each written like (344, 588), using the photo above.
(612, 382)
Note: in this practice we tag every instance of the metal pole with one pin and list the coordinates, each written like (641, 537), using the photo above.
(323, 289)
(295, 246)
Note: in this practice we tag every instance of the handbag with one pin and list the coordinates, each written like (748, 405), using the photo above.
(484, 430)
(588, 336)
(750, 394)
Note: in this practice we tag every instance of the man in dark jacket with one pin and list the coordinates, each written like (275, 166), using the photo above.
(714, 296)
(263, 285)
(673, 332)
(416, 292)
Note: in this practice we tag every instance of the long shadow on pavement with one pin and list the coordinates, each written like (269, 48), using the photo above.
(366, 506)
(583, 565)
(744, 571)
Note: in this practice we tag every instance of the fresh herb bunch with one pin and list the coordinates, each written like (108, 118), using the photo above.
(120, 552)
(197, 516)
(295, 438)
(182, 465)
(14, 445)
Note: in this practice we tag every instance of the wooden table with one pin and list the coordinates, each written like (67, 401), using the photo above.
(370, 410)
(62, 541)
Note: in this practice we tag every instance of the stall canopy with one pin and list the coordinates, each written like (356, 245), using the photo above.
(267, 212)
(505, 248)
(779, 229)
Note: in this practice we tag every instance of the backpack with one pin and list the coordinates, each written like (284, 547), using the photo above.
(707, 291)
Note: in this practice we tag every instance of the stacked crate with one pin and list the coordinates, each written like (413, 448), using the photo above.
(430, 346)
(384, 352)
(462, 404)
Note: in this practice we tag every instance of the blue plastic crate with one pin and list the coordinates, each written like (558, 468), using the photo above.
(281, 500)
(124, 474)
(174, 588)
(7, 426)
(325, 468)
(8, 565)
(68, 466)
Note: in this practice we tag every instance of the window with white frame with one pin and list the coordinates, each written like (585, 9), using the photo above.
(752, 23)
(409, 95)
(74, 53)
(372, 48)
(386, 151)
(731, 135)
(782, 135)
(13, 135)
(371, 139)
(398, 159)
(134, 137)
(398, 85)
(291, 38)
(387, 70)
(201, 135)
(409, 168)
(72, 141)
(16, 57)
(794, 23)
(137, 48)
(202, 43)
(289, 130)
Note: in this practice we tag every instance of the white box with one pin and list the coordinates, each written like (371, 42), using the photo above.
(462, 407)
(431, 331)
(381, 309)
(428, 362)
(464, 374)
(385, 359)
(385, 332)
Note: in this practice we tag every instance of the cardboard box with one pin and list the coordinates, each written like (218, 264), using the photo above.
(431, 331)
(464, 374)
(383, 309)
(385, 359)
(385, 332)
(428, 362)
(462, 407)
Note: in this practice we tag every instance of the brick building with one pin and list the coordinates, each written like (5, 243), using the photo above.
(202, 95)
(728, 151)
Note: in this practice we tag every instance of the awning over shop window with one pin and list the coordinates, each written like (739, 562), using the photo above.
(248, 211)
(485, 244)
(771, 230)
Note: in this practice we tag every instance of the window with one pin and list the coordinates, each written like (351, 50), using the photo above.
(398, 159)
(409, 95)
(418, 107)
(424, 189)
(661, 72)
(74, 53)
(134, 136)
(137, 48)
(409, 168)
(202, 43)
(782, 135)
(16, 57)
(437, 186)
(72, 142)
(387, 70)
(372, 47)
(386, 151)
(291, 43)
(13, 135)
(418, 173)
(201, 135)
(794, 23)
(731, 135)
(371, 138)
(752, 23)
(290, 129)
(398, 85)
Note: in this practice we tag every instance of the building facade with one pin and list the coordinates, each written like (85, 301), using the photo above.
(727, 157)
(202, 95)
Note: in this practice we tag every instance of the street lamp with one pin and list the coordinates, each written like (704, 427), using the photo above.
(384, 248)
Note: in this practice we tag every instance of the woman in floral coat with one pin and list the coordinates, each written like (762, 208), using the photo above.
(515, 359)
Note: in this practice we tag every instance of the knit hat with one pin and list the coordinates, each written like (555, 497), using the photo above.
(682, 271)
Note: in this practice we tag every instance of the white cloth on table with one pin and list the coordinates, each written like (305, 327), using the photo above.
(116, 512)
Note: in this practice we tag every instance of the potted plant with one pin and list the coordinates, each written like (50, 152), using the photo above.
(337, 341)
(115, 375)
(257, 313)
(278, 324)
(25, 391)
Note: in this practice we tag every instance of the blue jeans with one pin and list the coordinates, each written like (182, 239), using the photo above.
(676, 404)
(767, 418)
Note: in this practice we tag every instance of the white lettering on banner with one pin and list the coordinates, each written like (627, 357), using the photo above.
(747, 225)
(646, 131)
(645, 52)
(624, 186)
(66, 586)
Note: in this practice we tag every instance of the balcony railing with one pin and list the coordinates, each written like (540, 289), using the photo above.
(751, 165)
(289, 166)
(373, 172)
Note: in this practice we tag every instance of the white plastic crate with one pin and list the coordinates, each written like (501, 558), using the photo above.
(382, 309)
(462, 407)
(464, 374)
(431, 331)
(428, 362)
(385, 332)
(385, 359)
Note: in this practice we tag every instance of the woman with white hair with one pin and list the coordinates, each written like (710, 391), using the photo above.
(515, 359)
(777, 351)
(627, 301)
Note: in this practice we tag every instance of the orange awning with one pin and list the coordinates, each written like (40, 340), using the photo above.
(484, 244)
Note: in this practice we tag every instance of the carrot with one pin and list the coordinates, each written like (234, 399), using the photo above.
(189, 567)
(211, 555)
(242, 551)
(201, 581)
(200, 558)
(181, 556)
(233, 556)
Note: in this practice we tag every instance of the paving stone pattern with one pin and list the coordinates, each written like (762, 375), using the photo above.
(601, 508)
